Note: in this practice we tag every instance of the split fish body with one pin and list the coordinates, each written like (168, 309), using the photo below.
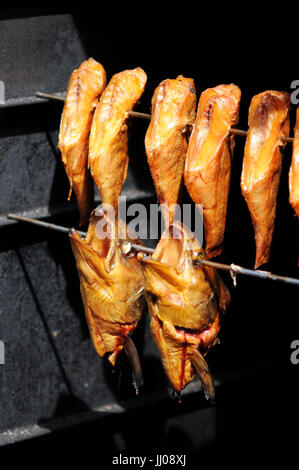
(268, 123)
(166, 140)
(294, 170)
(186, 303)
(208, 162)
(111, 284)
(108, 144)
(85, 86)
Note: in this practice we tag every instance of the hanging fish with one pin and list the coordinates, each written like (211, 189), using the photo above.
(268, 121)
(108, 144)
(166, 140)
(186, 303)
(85, 86)
(208, 162)
(294, 170)
(111, 286)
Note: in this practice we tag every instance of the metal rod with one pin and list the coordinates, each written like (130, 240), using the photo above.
(48, 96)
(232, 130)
(139, 115)
(41, 223)
(234, 269)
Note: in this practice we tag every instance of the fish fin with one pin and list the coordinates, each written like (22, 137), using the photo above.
(204, 373)
(133, 357)
(70, 192)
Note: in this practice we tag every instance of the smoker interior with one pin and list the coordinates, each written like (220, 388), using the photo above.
(54, 389)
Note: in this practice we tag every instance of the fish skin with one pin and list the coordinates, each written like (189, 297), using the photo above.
(208, 162)
(166, 140)
(85, 86)
(268, 122)
(185, 303)
(294, 170)
(111, 285)
(108, 144)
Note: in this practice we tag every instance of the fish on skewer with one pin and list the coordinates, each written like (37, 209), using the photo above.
(108, 144)
(186, 303)
(111, 285)
(294, 170)
(85, 86)
(208, 162)
(268, 122)
(166, 140)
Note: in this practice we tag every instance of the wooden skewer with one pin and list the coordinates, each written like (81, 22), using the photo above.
(128, 246)
(232, 130)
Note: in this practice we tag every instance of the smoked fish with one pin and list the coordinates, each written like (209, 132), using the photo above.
(208, 162)
(268, 122)
(111, 285)
(85, 86)
(186, 303)
(294, 170)
(166, 140)
(108, 144)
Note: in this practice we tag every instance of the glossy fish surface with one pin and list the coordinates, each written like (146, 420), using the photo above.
(268, 122)
(85, 86)
(208, 162)
(111, 284)
(294, 170)
(186, 302)
(108, 144)
(166, 140)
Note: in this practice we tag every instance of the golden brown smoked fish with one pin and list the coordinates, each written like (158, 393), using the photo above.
(268, 121)
(186, 302)
(111, 286)
(108, 143)
(166, 140)
(294, 170)
(85, 86)
(208, 162)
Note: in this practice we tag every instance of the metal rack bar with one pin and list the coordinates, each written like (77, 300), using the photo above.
(41, 223)
(232, 130)
(234, 269)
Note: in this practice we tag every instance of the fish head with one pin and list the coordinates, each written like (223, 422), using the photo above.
(111, 284)
(184, 308)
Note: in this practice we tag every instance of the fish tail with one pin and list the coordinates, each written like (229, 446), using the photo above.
(204, 373)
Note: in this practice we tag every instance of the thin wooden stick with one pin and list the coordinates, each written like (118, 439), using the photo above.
(232, 268)
(137, 114)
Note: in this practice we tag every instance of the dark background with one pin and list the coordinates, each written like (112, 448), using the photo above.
(45, 375)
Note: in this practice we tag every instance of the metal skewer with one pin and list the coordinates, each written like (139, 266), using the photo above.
(235, 131)
(48, 96)
(41, 223)
(232, 130)
(232, 268)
